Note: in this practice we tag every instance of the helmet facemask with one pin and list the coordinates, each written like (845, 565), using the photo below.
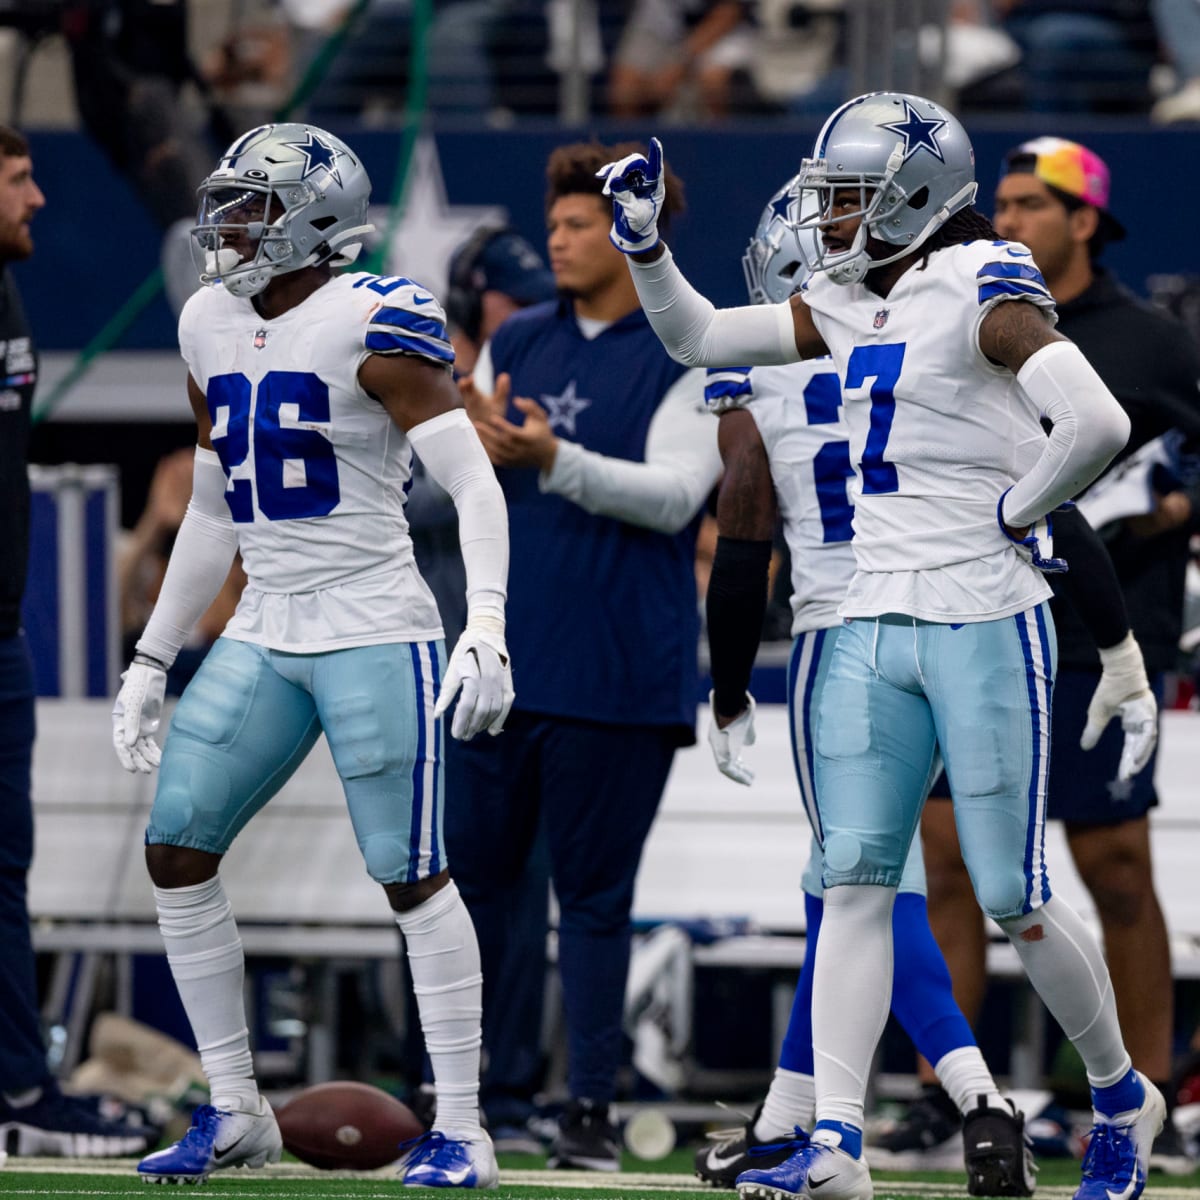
(283, 198)
(911, 176)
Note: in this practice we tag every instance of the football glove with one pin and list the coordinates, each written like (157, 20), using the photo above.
(1037, 546)
(137, 713)
(481, 669)
(638, 187)
(727, 743)
(1124, 691)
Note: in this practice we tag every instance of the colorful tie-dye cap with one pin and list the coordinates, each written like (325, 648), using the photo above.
(1071, 169)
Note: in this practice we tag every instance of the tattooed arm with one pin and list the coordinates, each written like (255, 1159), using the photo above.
(737, 588)
(1014, 330)
(1089, 425)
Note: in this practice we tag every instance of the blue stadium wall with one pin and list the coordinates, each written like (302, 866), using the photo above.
(95, 243)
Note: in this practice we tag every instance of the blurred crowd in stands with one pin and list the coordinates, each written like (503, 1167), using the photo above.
(679, 60)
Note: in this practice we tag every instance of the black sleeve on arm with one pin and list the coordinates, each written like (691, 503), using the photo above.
(736, 601)
(1091, 584)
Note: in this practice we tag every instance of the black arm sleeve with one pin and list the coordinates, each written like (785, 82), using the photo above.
(736, 601)
(1091, 584)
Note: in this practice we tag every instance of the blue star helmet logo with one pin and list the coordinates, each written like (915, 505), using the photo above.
(918, 132)
(781, 204)
(318, 156)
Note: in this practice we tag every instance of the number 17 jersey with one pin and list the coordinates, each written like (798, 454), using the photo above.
(317, 471)
(937, 434)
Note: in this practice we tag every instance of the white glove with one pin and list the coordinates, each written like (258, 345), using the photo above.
(637, 187)
(480, 666)
(727, 743)
(137, 714)
(1124, 690)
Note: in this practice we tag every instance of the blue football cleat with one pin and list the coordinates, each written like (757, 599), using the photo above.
(434, 1160)
(1118, 1153)
(815, 1171)
(216, 1140)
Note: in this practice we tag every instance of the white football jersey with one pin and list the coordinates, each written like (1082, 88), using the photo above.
(317, 471)
(797, 408)
(937, 434)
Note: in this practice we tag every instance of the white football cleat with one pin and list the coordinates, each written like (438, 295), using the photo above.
(435, 1160)
(217, 1139)
(815, 1171)
(1118, 1152)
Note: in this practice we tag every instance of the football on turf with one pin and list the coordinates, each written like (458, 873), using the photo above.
(346, 1126)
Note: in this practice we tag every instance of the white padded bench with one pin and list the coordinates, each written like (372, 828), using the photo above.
(299, 889)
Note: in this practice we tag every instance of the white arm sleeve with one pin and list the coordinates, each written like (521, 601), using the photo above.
(200, 559)
(699, 335)
(662, 493)
(453, 454)
(1089, 428)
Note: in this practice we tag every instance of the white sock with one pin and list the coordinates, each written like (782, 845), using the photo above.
(205, 955)
(1065, 966)
(852, 993)
(443, 957)
(791, 1101)
(965, 1076)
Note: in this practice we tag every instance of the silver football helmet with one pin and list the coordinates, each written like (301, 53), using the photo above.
(912, 165)
(773, 264)
(282, 197)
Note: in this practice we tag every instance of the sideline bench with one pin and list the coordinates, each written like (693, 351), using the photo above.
(299, 889)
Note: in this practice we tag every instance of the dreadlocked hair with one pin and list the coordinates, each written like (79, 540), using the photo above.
(967, 225)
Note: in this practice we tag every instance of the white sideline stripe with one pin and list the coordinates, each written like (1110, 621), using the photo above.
(597, 1181)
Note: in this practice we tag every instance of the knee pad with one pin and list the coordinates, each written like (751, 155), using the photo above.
(387, 857)
(1002, 893)
(192, 803)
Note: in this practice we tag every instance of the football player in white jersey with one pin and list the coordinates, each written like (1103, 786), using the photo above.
(311, 390)
(785, 447)
(943, 339)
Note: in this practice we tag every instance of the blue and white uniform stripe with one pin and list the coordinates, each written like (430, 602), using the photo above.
(1009, 278)
(727, 387)
(425, 857)
(1035, 646)
(396, 330)
(803, 667)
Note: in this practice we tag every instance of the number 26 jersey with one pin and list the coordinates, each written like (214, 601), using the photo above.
(317, 471)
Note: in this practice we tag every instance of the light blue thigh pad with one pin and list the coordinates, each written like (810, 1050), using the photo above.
(238, 733)
(376, 707)
(875, 748)
(808, 669)
(990, 686)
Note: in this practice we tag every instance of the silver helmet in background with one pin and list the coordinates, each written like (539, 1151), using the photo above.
(773, 263)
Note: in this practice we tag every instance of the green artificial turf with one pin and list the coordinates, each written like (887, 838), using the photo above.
(521, 1179)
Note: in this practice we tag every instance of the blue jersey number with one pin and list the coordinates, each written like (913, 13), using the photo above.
(882, 363)
(831, 464)
(383, 286)
(295, 471)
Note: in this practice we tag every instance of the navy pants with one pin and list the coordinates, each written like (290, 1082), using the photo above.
(22, 1053)
(572, 800)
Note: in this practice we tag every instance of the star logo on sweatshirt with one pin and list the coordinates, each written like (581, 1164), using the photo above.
(561, 410)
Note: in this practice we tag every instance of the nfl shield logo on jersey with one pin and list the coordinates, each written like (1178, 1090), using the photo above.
(881, 318)
(260, 338)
